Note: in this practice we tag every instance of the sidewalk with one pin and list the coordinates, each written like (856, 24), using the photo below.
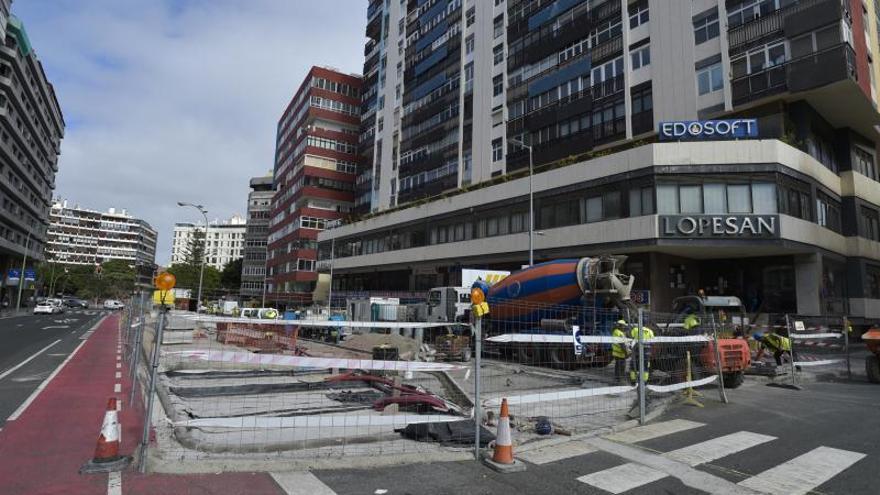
(41, 452)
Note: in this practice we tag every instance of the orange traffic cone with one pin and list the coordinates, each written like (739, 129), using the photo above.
(107, 456)
(502, 459)
(503, 443)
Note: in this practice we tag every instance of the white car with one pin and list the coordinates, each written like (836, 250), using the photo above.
(46, 307)
(113, 304)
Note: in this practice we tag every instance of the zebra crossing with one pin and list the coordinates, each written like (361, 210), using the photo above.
(795, 476)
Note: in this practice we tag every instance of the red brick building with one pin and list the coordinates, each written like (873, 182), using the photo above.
(315, 165)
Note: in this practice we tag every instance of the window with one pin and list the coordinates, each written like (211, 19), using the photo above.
(642, 101)
(815, 41)
(638, 15)
(863, 163)
(497, 152)
(870, 223)
(710, 79)
(759, 59)
(872, 276)
(749, 10)
(641, 57)
(471, 16)
(498, 26)
(305, 265)
(716, 198)
(498, 85)
(827, 212)
(607, 71)
(469, 44)
(498, 53)
(691, 199)
(706, 28)
(594, 209)
(641, 201)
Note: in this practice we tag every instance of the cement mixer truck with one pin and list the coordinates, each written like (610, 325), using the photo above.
(587, 295)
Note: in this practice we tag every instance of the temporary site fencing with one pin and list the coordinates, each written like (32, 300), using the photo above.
(819, 346)
(328, 387)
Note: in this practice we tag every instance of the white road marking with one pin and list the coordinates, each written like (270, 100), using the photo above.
(622, 478)
(301, 483)
(24, 405)
(655, 430)
(118, 357)
(117, 388)
(118, 409)
(114, 483)
(555, 453)
(716, 448)
(804, 473)
(118, 374)
(50, 327)
(118, 365)
(26, 361)
(632, 475)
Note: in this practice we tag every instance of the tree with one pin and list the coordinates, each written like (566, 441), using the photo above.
(188, 277)
(230, 277)
(194, 252)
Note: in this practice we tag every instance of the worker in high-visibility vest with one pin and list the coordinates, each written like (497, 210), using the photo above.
(647, 335)
(691, 321)
(777, 344)
(619, 351)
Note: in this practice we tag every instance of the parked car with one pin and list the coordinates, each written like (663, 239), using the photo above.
(46, 308)
(113, 304)
(72, 302)
(57, 303)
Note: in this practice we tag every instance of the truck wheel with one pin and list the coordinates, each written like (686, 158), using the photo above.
(527, 354)
(466, 354)
(560, 357)
(734, 379)
(872, 368)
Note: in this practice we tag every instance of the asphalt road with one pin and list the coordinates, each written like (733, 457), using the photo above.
(823, 439)
(32, 347)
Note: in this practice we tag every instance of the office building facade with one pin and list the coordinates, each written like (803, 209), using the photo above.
(224, 242)
(253, 267)
(314, 177)
(619, 102)
(31, 129)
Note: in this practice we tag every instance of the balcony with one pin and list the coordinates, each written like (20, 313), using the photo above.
(788, 21)
(800, 74)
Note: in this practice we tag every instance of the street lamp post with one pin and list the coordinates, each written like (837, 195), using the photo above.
(204, 213)
(27, 245)
(531, 200)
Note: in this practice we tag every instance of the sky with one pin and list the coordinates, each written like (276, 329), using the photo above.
(178, 100)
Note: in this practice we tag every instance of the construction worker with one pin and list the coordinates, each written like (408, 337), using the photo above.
(777, 344)
(619, 351)
(691, 321)
(647, 335)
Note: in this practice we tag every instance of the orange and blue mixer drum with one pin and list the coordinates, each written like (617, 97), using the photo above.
(520, 295)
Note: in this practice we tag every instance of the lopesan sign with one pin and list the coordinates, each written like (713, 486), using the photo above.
(719, 226)
(695, 130)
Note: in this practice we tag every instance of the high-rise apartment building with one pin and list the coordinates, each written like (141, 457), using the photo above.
(617, 103)
(316, 163)
(253, 267)
(81, 236)
(31, 129)
(433, 106)
(224, 242)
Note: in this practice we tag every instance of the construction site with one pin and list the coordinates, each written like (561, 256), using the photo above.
(374, 387)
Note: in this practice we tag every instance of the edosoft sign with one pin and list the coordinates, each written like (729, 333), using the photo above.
(708, 129)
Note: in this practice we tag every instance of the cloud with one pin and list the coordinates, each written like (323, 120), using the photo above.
(179, 100)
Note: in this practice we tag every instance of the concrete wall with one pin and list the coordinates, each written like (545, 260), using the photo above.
(672, 60)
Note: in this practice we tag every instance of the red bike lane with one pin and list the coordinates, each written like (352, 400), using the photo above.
(41, 451)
